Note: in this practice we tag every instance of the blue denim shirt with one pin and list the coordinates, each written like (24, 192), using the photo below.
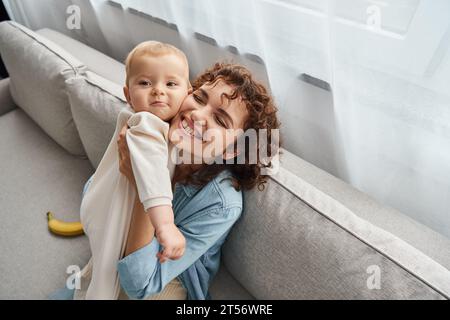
(205, 216)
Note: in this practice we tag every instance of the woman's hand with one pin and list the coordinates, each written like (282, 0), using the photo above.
(124, 156)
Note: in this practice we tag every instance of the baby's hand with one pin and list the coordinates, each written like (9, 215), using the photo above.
(172, 240)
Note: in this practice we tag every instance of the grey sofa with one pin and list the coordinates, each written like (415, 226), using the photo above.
(308, 235)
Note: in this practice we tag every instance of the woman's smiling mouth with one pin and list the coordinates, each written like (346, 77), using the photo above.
(186, 127)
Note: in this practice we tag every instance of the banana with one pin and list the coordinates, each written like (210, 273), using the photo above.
(62, 228)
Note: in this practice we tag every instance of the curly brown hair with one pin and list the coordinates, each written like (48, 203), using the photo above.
(262, 115)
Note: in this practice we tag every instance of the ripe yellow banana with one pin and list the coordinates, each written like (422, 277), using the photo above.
(62, 228)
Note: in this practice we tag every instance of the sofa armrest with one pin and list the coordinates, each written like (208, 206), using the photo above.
(310, 235)
(6, 102)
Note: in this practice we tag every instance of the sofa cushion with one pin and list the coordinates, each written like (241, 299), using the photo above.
(37, 86)
(94, 60)
(6, 101)
(95, 104)
(37, 176)
(225, 287)
(298, 240)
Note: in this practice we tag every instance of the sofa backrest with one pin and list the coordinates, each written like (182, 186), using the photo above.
(94, 60)
(95, 103)
(96, 96)
(38, 69)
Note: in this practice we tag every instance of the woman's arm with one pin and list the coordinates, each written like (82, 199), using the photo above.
(141, 229)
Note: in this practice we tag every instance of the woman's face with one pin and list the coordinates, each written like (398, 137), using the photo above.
(207, 123)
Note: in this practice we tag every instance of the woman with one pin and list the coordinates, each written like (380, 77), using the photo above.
(207, 197)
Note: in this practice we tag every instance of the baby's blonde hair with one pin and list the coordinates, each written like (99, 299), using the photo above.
(154, 49)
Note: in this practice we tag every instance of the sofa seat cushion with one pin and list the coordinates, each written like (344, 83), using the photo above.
(225, 287)
(37, 175)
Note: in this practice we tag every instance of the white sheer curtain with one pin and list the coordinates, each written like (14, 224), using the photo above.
(392, 106)
(388, 65)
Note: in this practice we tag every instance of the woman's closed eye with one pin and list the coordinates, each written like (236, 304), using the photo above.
(198, 99)
(220, 121)
(217, 117)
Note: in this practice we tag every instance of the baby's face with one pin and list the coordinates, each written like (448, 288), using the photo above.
(157, 85)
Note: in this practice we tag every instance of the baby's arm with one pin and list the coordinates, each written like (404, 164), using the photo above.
(167, 233)
(147, 143)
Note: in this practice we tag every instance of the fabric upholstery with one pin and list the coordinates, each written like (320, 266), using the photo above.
(38, 69)
(296, 242)
(37, 175)
(94, 60)
(95, 104)
(6, 101)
